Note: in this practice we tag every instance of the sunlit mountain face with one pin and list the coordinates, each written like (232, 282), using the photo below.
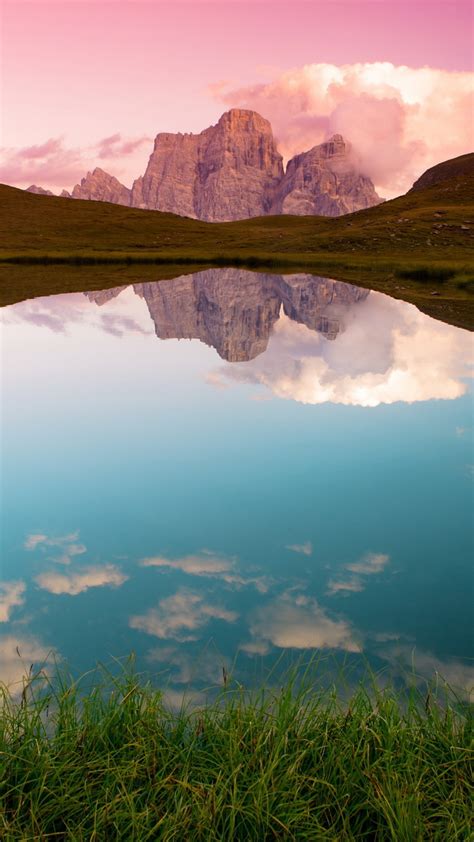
(295, 479)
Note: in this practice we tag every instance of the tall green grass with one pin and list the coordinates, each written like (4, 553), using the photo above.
(112, 762)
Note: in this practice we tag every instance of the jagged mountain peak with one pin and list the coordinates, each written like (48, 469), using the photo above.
(40, 191)
(100, 186)
(233, 170)
(325, 181)
(238, 117)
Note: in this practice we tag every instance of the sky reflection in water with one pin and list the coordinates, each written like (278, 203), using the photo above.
(300, 478)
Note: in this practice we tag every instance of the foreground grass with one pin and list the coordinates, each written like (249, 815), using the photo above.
(114, 763)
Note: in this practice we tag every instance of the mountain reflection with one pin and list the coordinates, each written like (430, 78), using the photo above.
(301, 337)
(276, 328)
(234, 311)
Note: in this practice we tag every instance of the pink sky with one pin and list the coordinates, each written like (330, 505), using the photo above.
(91, 83)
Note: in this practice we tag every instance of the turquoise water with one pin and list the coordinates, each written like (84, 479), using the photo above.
(288, 469)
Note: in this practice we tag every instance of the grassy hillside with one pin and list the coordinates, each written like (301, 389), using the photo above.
(114, 763)
(419, 247)
(447, 170)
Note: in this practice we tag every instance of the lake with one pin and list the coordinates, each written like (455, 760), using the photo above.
(235, 470)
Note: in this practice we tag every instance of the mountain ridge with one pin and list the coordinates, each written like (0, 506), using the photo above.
(233, 170)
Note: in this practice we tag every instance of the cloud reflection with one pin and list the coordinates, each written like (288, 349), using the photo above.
(388, 352)
(295, 621)
(369, 565)
(76, 582)
(58, 313)
(17, 654)
(209, 563)
(11, 596)
(305, 549)
(179, 616)
(189, 667)
(422, 666)
(68, 545)
(205, 563)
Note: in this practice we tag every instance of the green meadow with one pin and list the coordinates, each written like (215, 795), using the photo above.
(106, 759)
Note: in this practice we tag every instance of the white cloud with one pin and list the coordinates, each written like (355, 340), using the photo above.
(211, 564)
(427, 666)
(400, 120)
(214, 379)
(386, 351)
(17, 655)
(179, 616)
(198, 564)
(255, 647)
(76, 582)
(123, 313)
(37, 539)
(189, 667)
(298, 622)
(345, 586)
(34, 540)
(369, 565)
(176, 700)
(67, 544)
(261, 583)
(305, 549)
(11, 596)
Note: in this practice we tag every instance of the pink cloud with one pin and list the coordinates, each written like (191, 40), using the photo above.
(50, 147)
(116, 147)
(118, 325)
(107, 144)
(57, 166)
(49, 163)
(400, 120)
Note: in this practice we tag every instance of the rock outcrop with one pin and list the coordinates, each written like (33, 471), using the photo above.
(33, 188)
(326, 182)
(229, 171)
(99, 186)
(234, 311)
(233, 170)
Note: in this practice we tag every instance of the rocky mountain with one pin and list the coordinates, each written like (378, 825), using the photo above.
(233, 170)
(33, 188)
(324, 181)
(229, 171)
(99, 186)
(234, 311)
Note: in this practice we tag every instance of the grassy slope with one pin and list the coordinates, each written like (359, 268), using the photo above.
(431, 229)
(114, 764)
(447, 170)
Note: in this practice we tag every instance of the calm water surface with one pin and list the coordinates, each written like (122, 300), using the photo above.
(294, 477)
